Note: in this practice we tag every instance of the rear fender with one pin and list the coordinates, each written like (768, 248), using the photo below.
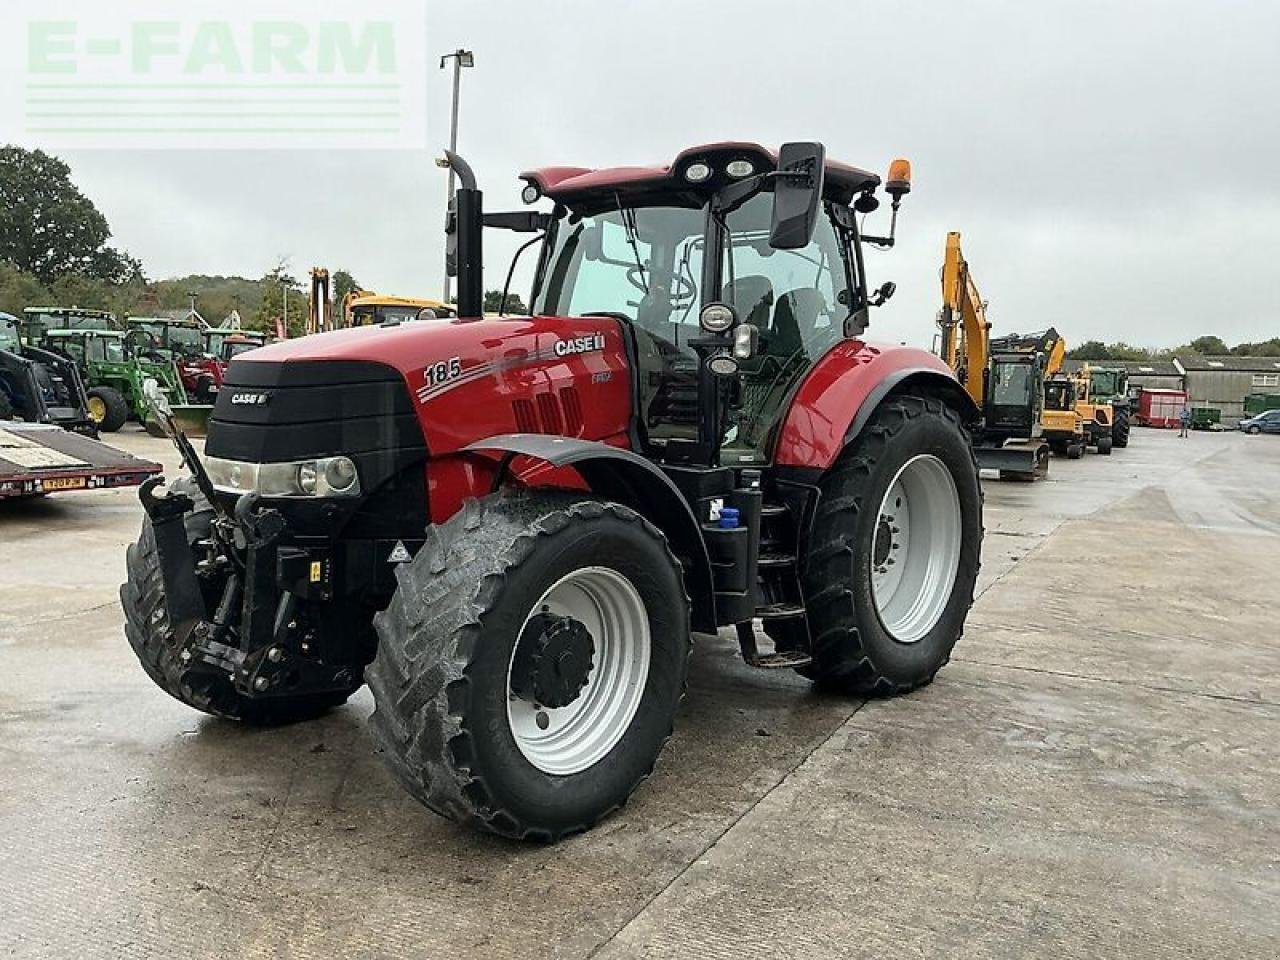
(839, 395)
(627, 478)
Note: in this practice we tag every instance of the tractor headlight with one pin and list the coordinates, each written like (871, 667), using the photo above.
(321, 477)
(340, 474)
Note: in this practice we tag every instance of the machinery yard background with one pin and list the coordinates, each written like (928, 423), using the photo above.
(1092, 775)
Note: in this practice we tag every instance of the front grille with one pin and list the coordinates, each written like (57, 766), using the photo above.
(287, 411)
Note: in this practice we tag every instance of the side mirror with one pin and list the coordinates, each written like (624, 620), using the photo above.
(887, 290)
(797, 194)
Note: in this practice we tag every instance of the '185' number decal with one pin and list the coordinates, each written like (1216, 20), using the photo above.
(444, 371)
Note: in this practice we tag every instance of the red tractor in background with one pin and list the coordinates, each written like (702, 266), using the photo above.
(509, 527)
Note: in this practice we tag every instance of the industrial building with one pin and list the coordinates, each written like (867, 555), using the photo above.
(1224, 382)
(1219, 382)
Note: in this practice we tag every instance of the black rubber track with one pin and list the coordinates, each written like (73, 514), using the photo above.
(1120, 429)
(844, 659)
(147, 629)
(117, 408)
(429, 639)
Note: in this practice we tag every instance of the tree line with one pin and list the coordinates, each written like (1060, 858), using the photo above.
(1206, 346)
(55, 250)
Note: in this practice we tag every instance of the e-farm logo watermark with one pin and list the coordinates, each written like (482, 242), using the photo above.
(244, 74)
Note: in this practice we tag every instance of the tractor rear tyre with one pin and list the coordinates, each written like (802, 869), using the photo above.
(108, 409)
(147, 629)
(1120, 429)
(889, 575)
(1104, 446)
(530, 663)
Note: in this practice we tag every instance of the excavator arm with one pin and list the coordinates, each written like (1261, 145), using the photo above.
(965, 328)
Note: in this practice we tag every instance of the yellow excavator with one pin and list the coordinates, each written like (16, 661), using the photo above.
(364, 308)
(1008, 385)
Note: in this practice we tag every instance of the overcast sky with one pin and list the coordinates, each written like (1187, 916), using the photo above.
(1111, 165)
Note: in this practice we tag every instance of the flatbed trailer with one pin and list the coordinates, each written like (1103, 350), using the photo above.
(38, 458)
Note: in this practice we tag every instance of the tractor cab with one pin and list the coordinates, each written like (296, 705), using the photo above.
(38, 385)
(176, 339)
(734, 270)
(37, 321)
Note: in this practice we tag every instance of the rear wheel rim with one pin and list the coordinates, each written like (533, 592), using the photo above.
(567, 740)
(97, 409)
(915, 551)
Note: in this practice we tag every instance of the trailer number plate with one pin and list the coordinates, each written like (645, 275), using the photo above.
(64, 483)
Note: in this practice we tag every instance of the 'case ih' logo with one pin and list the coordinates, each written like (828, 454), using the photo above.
(565, 348)
(250, 399)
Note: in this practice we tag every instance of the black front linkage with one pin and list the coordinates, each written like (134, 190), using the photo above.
(253, 634)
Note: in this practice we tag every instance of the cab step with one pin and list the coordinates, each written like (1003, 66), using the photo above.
(779, 611)
(778, 660)
(776, 560)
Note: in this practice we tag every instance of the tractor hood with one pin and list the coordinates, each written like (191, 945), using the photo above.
(450, 381)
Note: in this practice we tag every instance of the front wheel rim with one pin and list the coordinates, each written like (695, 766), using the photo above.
(567, 740)
(97, 409)
(915, 551)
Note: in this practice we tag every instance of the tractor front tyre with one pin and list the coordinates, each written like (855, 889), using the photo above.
(889, 574)
(1120, 429)
(531, 662)
(148, 631)
(1104, 446)
(108, 409)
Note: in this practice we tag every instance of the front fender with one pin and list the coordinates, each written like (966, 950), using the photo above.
(624, 477)
(838, 396)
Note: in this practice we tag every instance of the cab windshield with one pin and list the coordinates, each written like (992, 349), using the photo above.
(1058, 395)
(107, 349)
(1010, 384)
(646, 265)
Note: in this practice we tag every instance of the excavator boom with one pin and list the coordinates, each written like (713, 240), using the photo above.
(965, 329)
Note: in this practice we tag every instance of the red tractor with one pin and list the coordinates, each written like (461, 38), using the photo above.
(509, 527)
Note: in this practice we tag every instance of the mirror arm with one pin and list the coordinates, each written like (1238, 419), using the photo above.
(520, 221)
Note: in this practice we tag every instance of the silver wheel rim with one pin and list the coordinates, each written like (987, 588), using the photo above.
(915, 552)
(569, 739)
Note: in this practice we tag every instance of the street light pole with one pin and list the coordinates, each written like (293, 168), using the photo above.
(461, 58)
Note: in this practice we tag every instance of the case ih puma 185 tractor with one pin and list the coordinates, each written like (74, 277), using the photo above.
(509, 527)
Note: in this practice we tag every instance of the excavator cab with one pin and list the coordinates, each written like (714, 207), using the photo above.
(1015, 396)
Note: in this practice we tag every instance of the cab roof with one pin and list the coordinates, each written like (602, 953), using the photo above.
(78, 311)
(583, 187)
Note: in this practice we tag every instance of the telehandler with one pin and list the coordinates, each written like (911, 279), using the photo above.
(509, 527)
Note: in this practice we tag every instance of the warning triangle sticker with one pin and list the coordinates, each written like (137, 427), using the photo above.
(399, 554)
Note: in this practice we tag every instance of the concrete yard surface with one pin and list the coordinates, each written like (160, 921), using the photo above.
(1093, 775)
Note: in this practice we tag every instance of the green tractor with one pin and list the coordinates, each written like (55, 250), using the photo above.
(114, 370)
(1111, 385)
